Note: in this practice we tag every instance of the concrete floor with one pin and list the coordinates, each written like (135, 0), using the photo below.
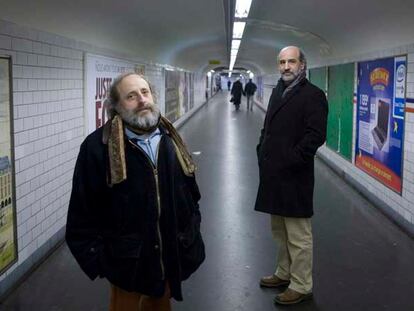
(361, 260)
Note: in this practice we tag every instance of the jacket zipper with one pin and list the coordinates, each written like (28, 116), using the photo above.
(158, 221)
(155, 172)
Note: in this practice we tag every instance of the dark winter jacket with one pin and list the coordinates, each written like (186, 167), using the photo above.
(142, 231)
(250, 88)
(294, 128)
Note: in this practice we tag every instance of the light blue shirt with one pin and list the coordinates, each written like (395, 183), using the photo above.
(147, 142)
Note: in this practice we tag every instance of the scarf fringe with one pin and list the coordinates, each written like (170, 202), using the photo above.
(116, 149)
(181, 150)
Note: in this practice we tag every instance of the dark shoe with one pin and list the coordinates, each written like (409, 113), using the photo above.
(273, 281)
(290, 297)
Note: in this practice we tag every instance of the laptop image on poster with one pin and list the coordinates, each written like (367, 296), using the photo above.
(380, 132)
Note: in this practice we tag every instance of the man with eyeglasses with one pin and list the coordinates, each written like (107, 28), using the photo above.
(294, 128)
(133, 215)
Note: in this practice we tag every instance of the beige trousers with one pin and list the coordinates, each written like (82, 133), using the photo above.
(294, 262)
(122, 300)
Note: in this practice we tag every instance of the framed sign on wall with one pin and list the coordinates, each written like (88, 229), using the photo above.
(8, 237)
(380, 119)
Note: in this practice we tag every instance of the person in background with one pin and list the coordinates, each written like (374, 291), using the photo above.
(133, 214)
(294, 128)
(236, 92)
(228, 84)
(249, 90)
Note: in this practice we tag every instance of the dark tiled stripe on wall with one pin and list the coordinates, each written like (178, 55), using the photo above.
(409, 100)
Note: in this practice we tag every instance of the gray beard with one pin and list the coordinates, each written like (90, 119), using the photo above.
(146, 122)
(290, 78)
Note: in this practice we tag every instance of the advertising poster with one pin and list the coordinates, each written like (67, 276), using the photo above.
(100, 72)
(8, 241)
(191, 90)
(179, 93)
(183, 94)
(380, 119)
(172, 97)
(259, 93)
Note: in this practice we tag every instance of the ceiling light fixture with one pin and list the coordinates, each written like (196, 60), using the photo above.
(242, 8)
(241, 13)
(238, 29)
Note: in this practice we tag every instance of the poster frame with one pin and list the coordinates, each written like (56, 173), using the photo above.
(401, 160)
(12, 161)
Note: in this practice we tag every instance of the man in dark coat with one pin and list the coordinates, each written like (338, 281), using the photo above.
(236, 92)
(133, 214)
(294, 128)
(249, 90)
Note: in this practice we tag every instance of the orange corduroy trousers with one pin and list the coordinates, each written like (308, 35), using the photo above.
(122, 300)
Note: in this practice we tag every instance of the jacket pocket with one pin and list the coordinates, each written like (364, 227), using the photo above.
(125, 264)
(191, 248)
(125, 247)
(185, 205)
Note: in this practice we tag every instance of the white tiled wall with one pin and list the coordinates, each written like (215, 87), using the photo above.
(49, 126)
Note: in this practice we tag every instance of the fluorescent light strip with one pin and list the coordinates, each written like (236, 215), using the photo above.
(242, 8)
(238, 29)
(241, 11)
(235, 44)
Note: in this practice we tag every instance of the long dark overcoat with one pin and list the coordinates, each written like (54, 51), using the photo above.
(294, 128)
(236, 92)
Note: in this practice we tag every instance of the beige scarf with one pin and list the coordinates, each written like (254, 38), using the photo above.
(113, 136)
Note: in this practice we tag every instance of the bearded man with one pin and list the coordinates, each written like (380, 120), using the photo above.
(294, 128)
(133, 215)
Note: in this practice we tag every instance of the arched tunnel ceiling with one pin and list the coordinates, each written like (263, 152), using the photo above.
(325, 29)
(189, 33)
(181, 33)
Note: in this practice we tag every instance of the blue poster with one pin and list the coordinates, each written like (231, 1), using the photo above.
(380, 119)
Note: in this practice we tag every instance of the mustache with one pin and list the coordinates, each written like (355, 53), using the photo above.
(145, 107)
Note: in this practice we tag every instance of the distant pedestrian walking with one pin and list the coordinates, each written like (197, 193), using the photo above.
(249, 90)
(236, 92)
(228, 84)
